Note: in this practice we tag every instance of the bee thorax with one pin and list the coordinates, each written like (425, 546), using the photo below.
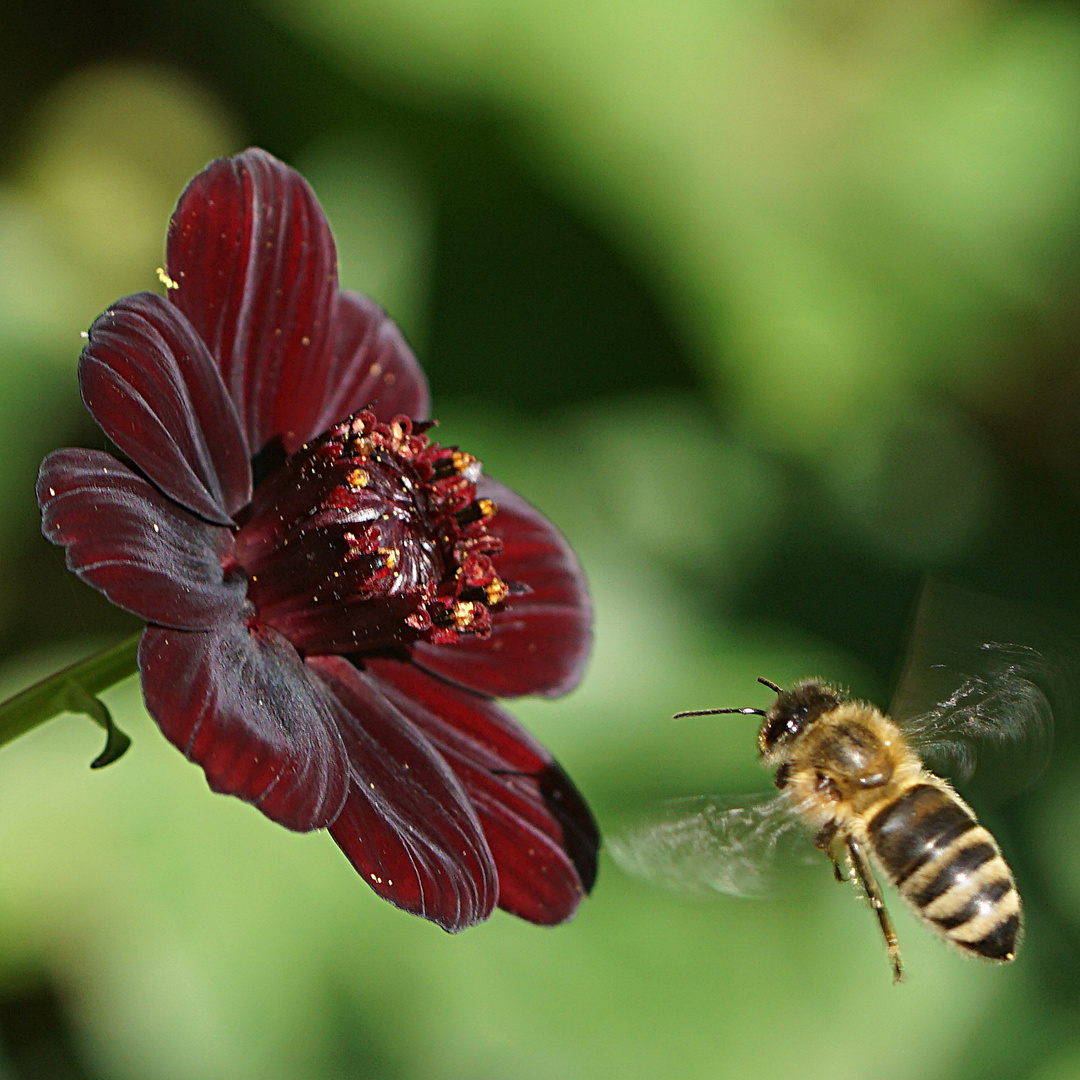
(854, 759)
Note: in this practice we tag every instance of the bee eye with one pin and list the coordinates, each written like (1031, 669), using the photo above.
(783, 728)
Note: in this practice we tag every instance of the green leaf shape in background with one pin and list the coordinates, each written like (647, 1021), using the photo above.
(833, 199)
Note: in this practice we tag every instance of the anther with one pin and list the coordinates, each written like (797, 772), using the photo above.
(455, 463)
(476, 511)
(464, 614)
(496, 591)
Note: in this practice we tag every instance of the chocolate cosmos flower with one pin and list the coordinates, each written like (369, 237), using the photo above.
(332, 599)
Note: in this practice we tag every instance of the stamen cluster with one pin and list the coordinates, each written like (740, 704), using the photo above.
(372, 536)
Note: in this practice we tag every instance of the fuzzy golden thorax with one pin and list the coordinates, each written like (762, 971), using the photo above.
(836, 758)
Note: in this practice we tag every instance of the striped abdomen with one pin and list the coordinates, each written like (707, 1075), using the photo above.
(948, 867)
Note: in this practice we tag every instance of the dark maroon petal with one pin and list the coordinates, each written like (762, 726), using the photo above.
(150, 383)
(540, 830)
(407, 826)
(539, 643)
(139, 548)
(256, 270)
(240, 703)
(371, 365)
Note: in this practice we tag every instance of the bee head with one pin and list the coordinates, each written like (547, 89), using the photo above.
(793, 711)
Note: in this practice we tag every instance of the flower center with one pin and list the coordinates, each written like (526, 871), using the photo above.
(371, 537)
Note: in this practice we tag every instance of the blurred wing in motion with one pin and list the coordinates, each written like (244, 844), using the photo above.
(1000, 722)
(707, 845)
(968, 698)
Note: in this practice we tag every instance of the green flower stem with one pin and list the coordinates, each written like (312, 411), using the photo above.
(75, 690)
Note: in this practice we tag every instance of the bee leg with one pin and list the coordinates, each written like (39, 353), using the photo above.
(865, 873)
(824, 841)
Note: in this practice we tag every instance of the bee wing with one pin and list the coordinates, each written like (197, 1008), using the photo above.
(969, 698)
(1000, 722)
(707, 844)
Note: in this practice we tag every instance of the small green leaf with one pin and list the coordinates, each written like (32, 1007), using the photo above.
(75, 689)
(78, 700)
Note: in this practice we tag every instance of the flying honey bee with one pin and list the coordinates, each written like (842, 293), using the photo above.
(854, 779)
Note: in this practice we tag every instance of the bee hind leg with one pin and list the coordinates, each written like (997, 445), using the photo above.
(865, 874)
(825, 841)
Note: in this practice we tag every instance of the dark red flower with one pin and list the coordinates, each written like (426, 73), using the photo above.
(332, 599)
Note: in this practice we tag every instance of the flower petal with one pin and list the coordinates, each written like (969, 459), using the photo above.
(407, 827)
(540, 830)
(240, 703)
(371, 365)
(145, 553)
(256, 273)
(539, 643)
(149, 382)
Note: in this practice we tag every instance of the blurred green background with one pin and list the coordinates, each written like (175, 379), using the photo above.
(773, 306)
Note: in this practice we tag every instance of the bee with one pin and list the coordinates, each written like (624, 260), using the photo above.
(854, 780)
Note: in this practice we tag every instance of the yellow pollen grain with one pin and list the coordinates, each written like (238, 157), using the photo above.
(157, 527)
(305, 340)
(496, 591)
(166, 280)
(390, 557)
(357, 479)
(375, 370)
(464, 612)
(461, 460)
(487, 507)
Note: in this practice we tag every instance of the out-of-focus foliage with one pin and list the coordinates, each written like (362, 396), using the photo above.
(834, 197)
(772, 307)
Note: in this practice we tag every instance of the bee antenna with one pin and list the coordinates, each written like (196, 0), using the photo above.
(715, 712)
(771, 685)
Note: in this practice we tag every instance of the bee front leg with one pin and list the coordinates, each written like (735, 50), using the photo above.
(825, 841)
(865, 873)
